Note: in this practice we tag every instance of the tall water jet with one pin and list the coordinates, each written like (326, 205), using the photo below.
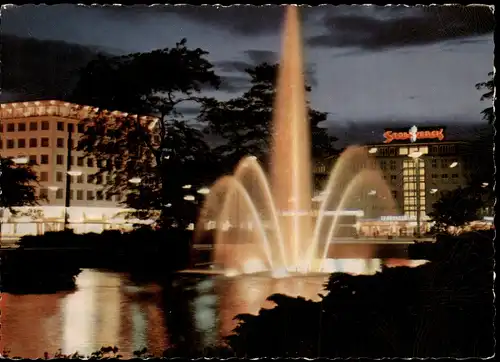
(291, 177)
(269, 226)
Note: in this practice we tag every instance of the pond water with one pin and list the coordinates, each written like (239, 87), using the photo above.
(109, 309)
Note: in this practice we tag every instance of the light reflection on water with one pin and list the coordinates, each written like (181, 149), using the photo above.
(108, 309)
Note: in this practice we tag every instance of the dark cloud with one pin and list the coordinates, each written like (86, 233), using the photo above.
(40, 69)
(233, 66)
(234, 84)
(255, 57)
(247, 20)
(404, 26)
(262, 56)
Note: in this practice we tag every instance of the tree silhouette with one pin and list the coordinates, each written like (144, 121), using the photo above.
(457, 208)
(165, 154)
(245, 122)
(17, 185)
(489, 87)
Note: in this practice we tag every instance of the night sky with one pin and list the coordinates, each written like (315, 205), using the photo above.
(370, 66)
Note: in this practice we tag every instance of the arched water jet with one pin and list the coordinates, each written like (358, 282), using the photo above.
(234, 187)
(250, 165)
(374, 178)
(342, 170)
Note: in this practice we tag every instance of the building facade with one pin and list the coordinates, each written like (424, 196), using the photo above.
(39, 132)
(418, 165)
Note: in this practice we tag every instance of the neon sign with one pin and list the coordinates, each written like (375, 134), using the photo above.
(413, 135)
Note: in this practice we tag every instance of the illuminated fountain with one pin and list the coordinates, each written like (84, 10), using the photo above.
(261, 226)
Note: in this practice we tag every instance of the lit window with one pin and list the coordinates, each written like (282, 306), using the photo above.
(403, 151)
(424, 150)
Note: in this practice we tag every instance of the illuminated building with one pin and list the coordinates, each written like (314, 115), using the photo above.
(39, 131)
(414, 159)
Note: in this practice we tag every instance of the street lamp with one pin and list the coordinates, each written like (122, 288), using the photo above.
(372, 150)
(416, 157)
(453, 164)
(135, 180)
(186, 186)
(204, 191)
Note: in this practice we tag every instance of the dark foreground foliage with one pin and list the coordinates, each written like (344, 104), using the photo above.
(50, 262)
(24, 273)
(440, 309)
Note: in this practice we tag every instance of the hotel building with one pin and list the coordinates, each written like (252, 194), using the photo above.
(39, 131)
(418, 165)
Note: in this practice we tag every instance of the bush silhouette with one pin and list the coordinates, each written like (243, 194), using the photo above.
(440, 309)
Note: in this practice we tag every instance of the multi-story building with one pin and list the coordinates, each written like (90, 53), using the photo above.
(418, 165)
(39, 132)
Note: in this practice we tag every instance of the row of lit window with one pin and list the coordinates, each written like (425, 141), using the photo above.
(406, 151)
(80, 179)
(411, 186)
(60, 160)
(35, 126)
(33, 143)
(90, 195)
